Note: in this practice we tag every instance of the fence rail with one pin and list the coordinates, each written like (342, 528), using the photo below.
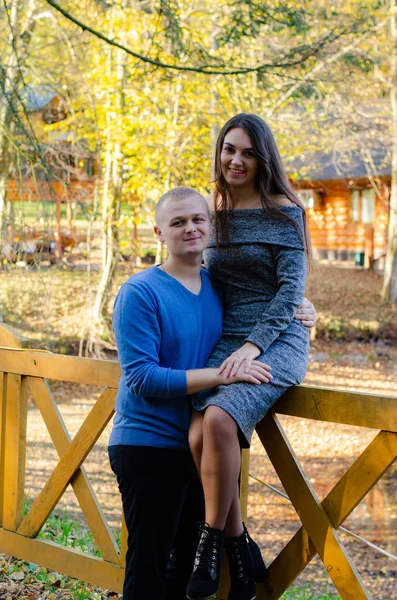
(23, 369)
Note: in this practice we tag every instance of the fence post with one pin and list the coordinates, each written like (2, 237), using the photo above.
(13, 421)
(2, 441)
(244, 483)
(124, 540)
(11, 338)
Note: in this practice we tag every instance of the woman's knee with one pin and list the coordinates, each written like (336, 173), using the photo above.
(219, 425)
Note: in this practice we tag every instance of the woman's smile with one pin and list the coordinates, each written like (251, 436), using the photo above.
(238, 160)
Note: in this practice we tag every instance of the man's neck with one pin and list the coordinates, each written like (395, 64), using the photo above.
(186, 271)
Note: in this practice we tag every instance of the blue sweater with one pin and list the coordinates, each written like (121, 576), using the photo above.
(161, 329)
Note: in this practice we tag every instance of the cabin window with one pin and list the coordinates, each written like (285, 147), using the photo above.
(311, 198)
(356, 205)
(368, 205)
(363, 205)
(89, 167)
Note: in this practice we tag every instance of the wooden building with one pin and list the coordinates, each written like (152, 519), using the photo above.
(347, 198)
(71, 168)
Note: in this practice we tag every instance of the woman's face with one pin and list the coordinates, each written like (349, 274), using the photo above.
(238, 160)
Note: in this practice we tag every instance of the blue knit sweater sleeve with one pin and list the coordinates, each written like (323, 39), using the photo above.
(138, 337)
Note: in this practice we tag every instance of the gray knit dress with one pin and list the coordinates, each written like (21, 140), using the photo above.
(263, 277)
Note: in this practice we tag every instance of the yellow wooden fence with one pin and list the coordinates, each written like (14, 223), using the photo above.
(22, 368)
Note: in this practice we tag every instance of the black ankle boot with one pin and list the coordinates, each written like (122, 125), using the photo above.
(204, 581)
(246, 566)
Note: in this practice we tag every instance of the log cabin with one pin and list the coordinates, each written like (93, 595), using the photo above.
(72, 167)
(347, 200)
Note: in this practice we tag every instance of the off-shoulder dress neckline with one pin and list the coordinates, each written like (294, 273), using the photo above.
(256, 210)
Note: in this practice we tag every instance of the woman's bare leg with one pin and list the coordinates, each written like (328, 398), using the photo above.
(234, 525)
(220, 468)
(234, 522)
(196, 438)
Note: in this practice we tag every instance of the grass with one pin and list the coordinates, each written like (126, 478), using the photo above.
(61, 529)
(66, 532)
(33, 212)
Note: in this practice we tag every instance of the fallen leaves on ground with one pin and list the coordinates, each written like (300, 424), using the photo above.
(51, 307)
(28, 581)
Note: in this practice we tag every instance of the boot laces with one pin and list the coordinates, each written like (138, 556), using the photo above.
(237, 559)
(207, 550)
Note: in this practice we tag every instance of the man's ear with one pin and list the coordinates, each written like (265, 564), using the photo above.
(157, 231)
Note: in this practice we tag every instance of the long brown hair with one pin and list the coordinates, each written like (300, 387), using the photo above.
(271, 178)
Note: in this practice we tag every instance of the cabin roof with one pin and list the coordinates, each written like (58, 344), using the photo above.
(347, 164)
(38, 96)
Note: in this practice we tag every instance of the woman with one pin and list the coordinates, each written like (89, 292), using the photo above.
(259, 254)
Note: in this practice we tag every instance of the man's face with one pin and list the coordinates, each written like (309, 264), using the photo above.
(185, 226)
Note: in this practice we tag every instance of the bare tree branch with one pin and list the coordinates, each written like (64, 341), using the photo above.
(303, 52)
(324, 63)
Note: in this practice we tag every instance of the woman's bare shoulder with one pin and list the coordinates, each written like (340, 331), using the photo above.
(210, 201)
(282, 200)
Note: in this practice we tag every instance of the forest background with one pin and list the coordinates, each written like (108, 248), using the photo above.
(145, 87)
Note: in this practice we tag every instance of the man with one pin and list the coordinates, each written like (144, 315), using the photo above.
(166, 321)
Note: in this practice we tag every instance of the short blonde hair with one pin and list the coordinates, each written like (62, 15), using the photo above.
(178, 193)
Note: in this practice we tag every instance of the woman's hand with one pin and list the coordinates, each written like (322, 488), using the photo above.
(306, 313)
(246, 354)
(258, 373)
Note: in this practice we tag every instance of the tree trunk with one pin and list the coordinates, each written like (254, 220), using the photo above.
(21, 23)
(135, 239)
(106, 196)
(160, 248)
(112, 194)
(5, 167)
(159, 253)
(389, 289)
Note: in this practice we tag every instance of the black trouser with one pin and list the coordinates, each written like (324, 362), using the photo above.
(162, 502)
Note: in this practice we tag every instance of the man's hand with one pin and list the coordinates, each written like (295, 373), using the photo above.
(246, 354)
(258, 373)
(306, 313)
